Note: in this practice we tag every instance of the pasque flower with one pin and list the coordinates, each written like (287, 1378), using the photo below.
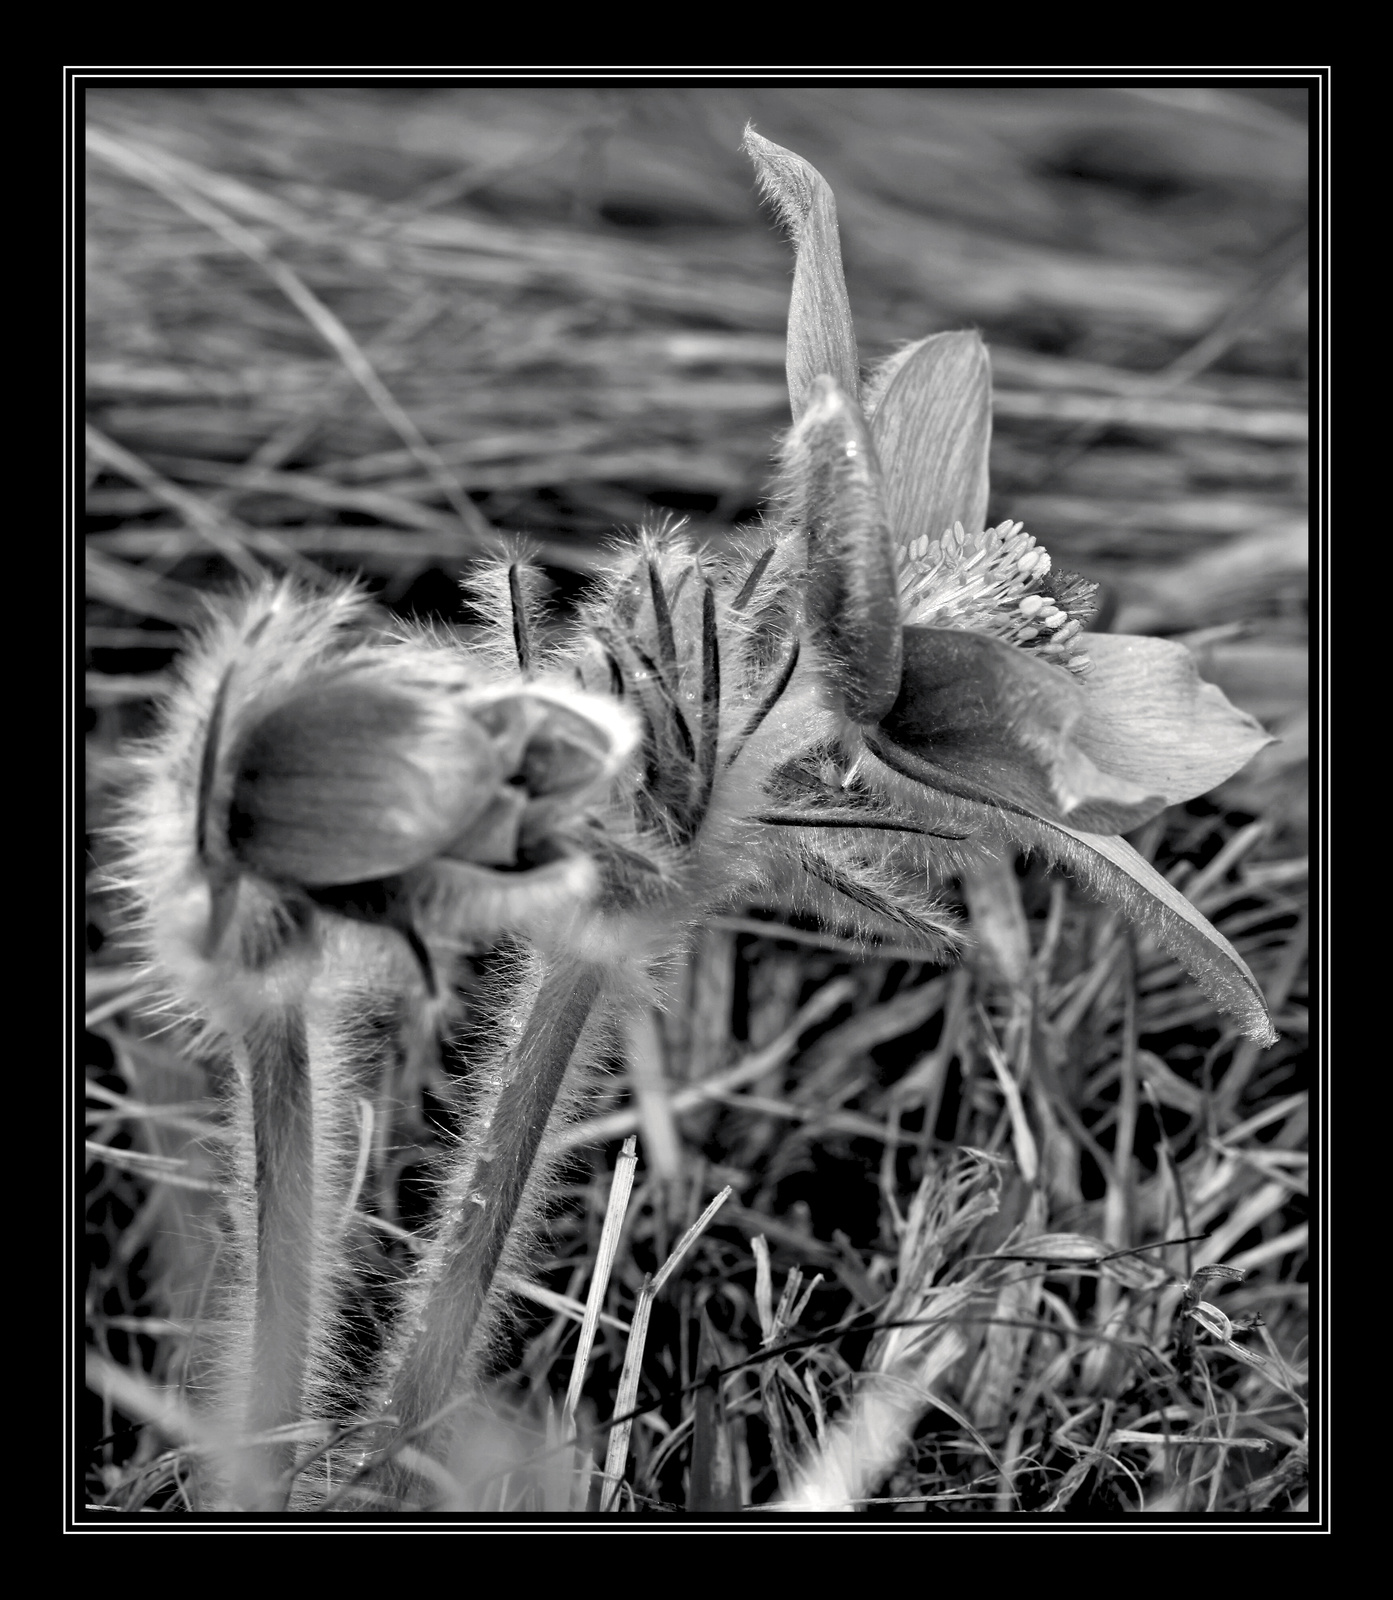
(311, 777)
(972, 693)
(308, 766)
(878, 691)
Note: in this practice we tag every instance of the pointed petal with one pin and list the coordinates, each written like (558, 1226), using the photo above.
(932, 428)
(1113, 871)
(853, 601)
(820, 335)
(556, 747)
(980, 719)
(1153, 720)
(492, 838)
(553, 741)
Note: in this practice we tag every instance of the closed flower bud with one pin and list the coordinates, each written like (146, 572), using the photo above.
(354, 780)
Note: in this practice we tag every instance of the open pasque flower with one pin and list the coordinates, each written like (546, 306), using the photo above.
(972, 694)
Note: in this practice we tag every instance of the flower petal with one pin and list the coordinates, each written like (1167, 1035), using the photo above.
(980, 719)
(853, 601)
(1152, 719)
(351, 781)
(1113, 871)
(820, 335)
(553, 741)
(932, 428)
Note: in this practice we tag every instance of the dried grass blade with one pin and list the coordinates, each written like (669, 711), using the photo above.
(714, 1483)
(199, 515)
(128, 588)
(618, 1452)
(754, 1066)
(662, 1142)
(154, 1169)
(142, 1401)
(148, 168)
(1022, 1139)
(688, 1239)
(366, 1126)
(615, 1211)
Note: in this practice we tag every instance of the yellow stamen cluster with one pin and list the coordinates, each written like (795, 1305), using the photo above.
(994, 582)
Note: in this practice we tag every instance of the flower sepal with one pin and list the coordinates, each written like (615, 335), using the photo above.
(355, 780)
(1152, 719)
(834, 492)
(821, 338)
(980, 719)
(351, 779)
(930, 411)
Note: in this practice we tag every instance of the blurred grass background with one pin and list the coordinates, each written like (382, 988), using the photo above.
(357, 329)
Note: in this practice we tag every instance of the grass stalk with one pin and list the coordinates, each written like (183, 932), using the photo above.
(615, 1212)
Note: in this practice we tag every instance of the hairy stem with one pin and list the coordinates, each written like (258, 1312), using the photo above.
(283, 1125)
(476, 1230)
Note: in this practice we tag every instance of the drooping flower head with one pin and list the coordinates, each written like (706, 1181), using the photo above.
(971, 689)
(309, 768)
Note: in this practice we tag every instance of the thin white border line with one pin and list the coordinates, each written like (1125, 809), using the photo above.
(1043, 74)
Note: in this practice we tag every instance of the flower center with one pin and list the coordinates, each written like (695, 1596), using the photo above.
(998, 582)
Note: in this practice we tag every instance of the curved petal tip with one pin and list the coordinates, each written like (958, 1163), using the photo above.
(821, 338)
(1151, 718)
